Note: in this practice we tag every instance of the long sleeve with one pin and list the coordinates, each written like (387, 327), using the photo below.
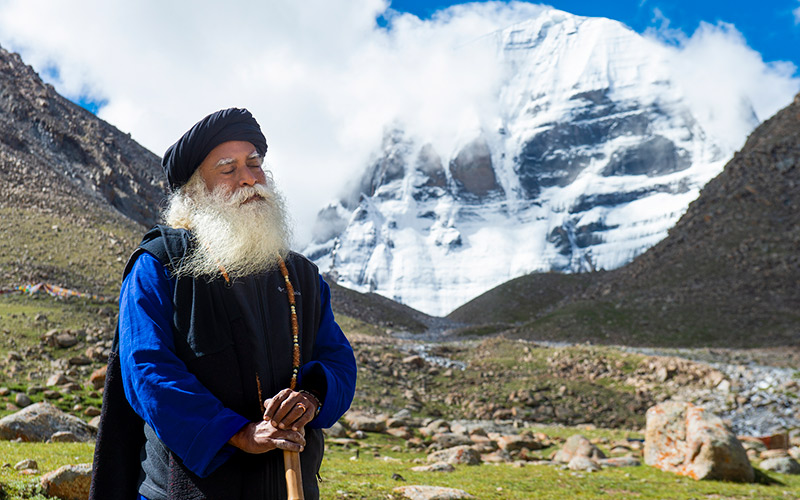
(332, 365)
(190, 420)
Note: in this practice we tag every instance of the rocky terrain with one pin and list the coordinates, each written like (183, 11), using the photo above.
(75, 192)
(55, 155)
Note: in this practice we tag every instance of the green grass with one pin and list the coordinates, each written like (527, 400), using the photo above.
(48, 457)
(370, 476)
(65, 250)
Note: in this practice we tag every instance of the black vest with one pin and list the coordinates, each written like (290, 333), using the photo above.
(212, 337)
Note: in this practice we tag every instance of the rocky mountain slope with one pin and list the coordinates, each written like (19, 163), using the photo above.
(592, 154)
(75, 192)
(726, 275)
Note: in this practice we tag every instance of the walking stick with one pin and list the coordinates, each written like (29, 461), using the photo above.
(294, 479)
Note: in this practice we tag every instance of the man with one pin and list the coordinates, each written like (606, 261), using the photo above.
(226, 349)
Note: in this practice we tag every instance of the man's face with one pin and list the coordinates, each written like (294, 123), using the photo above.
(232, 164)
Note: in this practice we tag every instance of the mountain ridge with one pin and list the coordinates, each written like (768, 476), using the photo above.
(725, 276)
(592, 155)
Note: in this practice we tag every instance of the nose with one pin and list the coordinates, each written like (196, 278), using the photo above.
(247, 178)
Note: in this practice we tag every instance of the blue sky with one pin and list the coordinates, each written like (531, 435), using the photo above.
(771, 27)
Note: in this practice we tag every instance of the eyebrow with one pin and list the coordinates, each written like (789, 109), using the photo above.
(227, 161)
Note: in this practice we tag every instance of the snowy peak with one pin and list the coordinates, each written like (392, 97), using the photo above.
(591, 155)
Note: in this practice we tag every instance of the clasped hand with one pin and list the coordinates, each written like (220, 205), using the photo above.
(283, 427)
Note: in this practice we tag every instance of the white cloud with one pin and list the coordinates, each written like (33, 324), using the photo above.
(729, 85)
(796, 15)
(321, 76)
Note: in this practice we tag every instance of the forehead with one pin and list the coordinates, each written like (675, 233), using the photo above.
(229, 150)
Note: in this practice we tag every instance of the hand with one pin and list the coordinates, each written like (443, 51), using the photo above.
(290, 410)
(261, 437)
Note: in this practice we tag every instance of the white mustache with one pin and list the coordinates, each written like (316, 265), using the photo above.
(244, 193)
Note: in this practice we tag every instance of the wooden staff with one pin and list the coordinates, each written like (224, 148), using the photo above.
(294, 479)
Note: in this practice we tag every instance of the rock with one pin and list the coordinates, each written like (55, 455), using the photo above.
(38, 422)
(63, 437)
(619, 462)
(401, 432)
(516, 443)
(416, 492)
(457, 455)
(577, 446)
(782, 465)
(496, 457)
(434, 427)
(582, 463)
(70, 482)
(27, 464)
(337, 430)
(98, 378)
(66, 340)
(79, 360)
(22, 400)
(414, 361)
(776, 453)
(4, 391)
(434, 467)
(685, 439)
(93, 411)
(51, 394)
(448, 439)
(95, 423)
(57, 379)
(363, 422)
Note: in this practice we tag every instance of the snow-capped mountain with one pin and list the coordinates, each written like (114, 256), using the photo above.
(593, 155)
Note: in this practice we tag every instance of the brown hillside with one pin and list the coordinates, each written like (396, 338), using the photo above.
(55, 155)
(75, 192)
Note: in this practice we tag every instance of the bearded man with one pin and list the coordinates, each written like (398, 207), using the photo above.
(226, 349)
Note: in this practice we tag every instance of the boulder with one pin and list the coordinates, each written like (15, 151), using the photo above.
(57, 379)
(416, 492)
(38, 422)
(70, 482)
(456, 455)
(414, 361)
(337, 430)
(448, 439)
(21, 399)
(27, 464)
(619, 462)
(66, 340)
(577, 446)
(687, 440)
(581, 463)
(518, 442)
(782, 465)
(63, 437)
(496, 457)
(434, 427)
(434, 467)
(98, 378)
(363, 422)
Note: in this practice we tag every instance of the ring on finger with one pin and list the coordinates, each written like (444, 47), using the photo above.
(301, 406)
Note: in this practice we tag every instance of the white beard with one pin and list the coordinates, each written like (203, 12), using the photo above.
(239, 238)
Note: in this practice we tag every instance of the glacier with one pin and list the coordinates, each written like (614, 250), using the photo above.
(592, 154)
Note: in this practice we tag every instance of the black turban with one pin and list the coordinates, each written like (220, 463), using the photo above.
(232, 124)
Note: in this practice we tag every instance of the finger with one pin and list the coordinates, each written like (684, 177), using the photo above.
(285, 407)
(300, 415)
(287, 445)
(295, 411)
(304, 419)
(272, 404)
